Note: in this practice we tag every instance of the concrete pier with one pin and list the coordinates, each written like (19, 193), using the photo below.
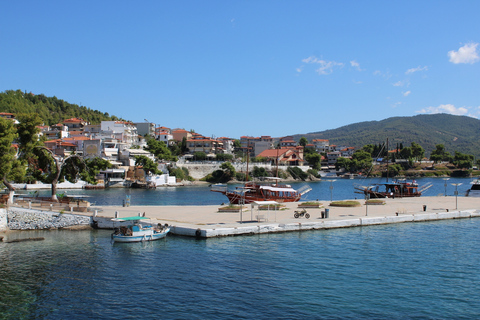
(207, 222)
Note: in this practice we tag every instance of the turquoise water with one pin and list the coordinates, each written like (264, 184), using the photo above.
(424, 270)
(201, 195)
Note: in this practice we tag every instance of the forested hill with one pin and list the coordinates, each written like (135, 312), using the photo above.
(456, 133)
(51, 109)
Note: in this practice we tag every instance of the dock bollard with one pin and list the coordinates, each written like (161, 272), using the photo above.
(323, 214)
(424, 207)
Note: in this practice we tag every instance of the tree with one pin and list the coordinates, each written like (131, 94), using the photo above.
(417, 151)
(343, 163)
(314, 159)
(9, 165)
(200, 156)
(303, 141)
(95, 165)
(159, 149)
(51, 169)
(228, 169)
(463, 161)
(259, 172)
(149, 166)
(28, 140)
(224, 157)
(439, 154)
(361, 160)
(369, 148)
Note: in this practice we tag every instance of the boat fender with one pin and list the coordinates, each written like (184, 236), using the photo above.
(198, 233)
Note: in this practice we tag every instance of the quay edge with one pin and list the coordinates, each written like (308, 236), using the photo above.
(266, 228)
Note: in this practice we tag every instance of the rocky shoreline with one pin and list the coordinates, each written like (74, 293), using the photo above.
(28, 219)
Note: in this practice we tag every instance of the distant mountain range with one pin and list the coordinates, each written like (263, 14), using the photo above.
(456, 133)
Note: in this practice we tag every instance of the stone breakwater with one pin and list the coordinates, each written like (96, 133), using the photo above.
(28, 219)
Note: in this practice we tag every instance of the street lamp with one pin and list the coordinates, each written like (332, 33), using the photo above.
(331, 188)
(446, 179)
(456, 193)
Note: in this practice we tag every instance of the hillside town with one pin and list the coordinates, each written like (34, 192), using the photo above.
(121, 142)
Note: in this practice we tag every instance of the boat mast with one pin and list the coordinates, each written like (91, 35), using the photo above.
(387, 159)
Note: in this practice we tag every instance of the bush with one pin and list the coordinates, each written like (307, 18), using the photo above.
(348, 203)
(297, 173)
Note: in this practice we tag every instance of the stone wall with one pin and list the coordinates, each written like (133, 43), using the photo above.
(28, 219)
(200, 170)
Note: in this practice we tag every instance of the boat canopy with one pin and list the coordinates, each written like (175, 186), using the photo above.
(130, 218)
(277, 189)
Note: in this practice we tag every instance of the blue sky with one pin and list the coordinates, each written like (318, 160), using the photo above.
(234, 68)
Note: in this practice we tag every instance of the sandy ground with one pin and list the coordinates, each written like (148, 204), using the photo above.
(194, 216)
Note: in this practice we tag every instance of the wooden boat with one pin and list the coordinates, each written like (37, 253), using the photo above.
(137, 232)
(395, 189)
(253, 191)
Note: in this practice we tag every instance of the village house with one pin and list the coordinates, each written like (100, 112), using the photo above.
(203, 144)
(321, 145)
(255, 145)
(9, 116)
(75, 124)
(290, 156)
(287, 142)
(179, 134)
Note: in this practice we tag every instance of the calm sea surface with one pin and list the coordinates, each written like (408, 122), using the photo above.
(201, 195)
(424, 270)
(428, 270)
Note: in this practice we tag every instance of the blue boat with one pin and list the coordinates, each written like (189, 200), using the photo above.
(137, 232)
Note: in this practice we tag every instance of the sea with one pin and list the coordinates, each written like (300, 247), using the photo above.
(427, 270)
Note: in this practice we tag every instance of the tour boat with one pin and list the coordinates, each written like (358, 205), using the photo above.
(395, 189)
(137, 232)
(253, 191)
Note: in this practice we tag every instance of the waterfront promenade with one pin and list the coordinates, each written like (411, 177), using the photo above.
(206, 221)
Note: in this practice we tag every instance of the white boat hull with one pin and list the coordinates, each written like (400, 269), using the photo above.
(146, 235)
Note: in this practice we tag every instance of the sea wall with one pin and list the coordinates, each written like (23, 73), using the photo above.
(3, 219)
(29, 219)
(320, 225)
(200, 170)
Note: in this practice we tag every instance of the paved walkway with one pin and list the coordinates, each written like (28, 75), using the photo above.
(203, 216)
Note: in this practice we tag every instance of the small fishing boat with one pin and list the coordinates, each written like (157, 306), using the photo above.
(474, 190)
(137, 232)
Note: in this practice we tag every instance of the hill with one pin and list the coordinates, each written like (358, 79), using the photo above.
(50, 109)
(456, 133)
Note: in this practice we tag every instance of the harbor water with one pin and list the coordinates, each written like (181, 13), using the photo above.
(324, 190)
(424, 270)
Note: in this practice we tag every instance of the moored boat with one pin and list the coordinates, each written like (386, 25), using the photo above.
(137, 232)
(395, 189)
(253, 191)
(474, 190)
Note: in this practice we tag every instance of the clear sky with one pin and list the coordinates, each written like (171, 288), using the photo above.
(233, 68)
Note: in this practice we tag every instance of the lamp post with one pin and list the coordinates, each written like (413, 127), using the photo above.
(331, 188)
(446, 179)
(456, 193)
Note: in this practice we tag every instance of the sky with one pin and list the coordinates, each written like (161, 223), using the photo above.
(247, 68)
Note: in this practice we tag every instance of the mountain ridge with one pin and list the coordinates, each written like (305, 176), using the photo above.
(456, 133)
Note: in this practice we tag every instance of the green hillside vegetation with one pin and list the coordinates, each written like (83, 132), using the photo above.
(50, 109)
(456, 133)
